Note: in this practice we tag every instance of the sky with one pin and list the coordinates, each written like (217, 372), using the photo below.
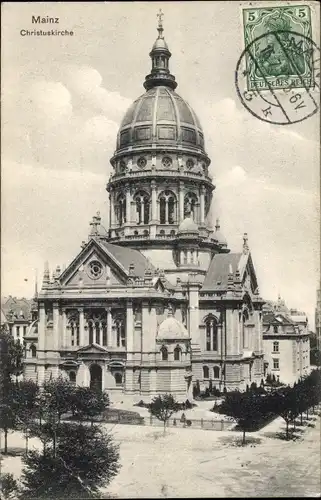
(62, 102)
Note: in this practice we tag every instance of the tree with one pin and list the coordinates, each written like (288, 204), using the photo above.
(11, 356)
(246, 408)
(8, 486)
(89, 403)
(84, 460)
(58, 394)
(285, 405)
(163, 407)
(8, 418)
(26, 393)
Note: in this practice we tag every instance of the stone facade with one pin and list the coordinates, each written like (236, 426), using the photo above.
(286, 343)
(157, 301)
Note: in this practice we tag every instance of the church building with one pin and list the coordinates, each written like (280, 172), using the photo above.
(155, 302)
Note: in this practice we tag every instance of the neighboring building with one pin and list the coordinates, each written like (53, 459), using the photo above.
(157, 301)
(286, 343)
(318, 319)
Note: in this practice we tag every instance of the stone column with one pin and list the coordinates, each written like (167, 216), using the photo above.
(55, 325)
(202, 205)
(112, 209)
(81, 327)
(129, 329)
(128, 204)
(154, 202)
(100, 333)
(188, 256)
(193, 322)
(181, 201)
(109, 328)
(64, 328)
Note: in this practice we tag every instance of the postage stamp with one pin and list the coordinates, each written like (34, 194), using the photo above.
(280, 54)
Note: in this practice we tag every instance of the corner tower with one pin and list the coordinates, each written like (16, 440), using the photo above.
(160, 190)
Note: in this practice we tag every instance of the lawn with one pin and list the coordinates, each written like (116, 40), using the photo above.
(189, 462)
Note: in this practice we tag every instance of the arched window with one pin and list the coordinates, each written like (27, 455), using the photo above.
(120, 333)
(216, 371)
(167, 207)
(142, 201)
(121, 209)
(33, 351)
(118, 378)
(206, 372)
(245, 317)
(104, 334)
(97, 332)
(211, 334)
(72, 377)
(74, 327)
(190, 202)
(91, 333)
(164, 352)
(177, 353)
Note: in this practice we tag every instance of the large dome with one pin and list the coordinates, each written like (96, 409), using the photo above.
(160, 116)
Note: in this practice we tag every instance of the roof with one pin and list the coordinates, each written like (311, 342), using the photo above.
(171, 328)
(127, 256)
(160, 116)
(217, 274)
(276, 318)
(12, 306)
(188, 226)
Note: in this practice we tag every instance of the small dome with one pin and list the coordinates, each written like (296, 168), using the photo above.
(218, 235)
(160, 44)
(171, 328)
(188, 226)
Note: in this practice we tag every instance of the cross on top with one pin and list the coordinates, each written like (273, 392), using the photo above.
(160, 18)
(160, 24)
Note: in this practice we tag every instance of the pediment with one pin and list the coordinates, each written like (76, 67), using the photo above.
(92, 349)
(93, 267)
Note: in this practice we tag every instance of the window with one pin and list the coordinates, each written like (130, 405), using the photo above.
(276, 364)
(141, 162)
(24, 331)
(216, 372)
(167, 204)
(121, 210)
(142, 207)
(190, 201)
(275, 346)
(167, 162)
(72, 377)
(177, 353)
(275, 329)
(18, 331)
(91, 333)
(120, 334)
(211, 335)
(95, 269)
(206, 372)
(33, 351)
(118, 378)
(164, 352)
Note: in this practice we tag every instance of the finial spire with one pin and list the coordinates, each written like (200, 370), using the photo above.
(245, 244)
(160, 23)
(217, 225)
(160, 55)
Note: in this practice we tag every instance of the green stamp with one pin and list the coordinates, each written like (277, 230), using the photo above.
(278, 47)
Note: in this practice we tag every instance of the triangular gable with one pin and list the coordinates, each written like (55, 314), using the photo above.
(247, 272)
(91, 349)
(112, 271)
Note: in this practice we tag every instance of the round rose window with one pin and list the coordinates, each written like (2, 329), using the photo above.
(167, 162)
(95, 269)
(141, 162)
